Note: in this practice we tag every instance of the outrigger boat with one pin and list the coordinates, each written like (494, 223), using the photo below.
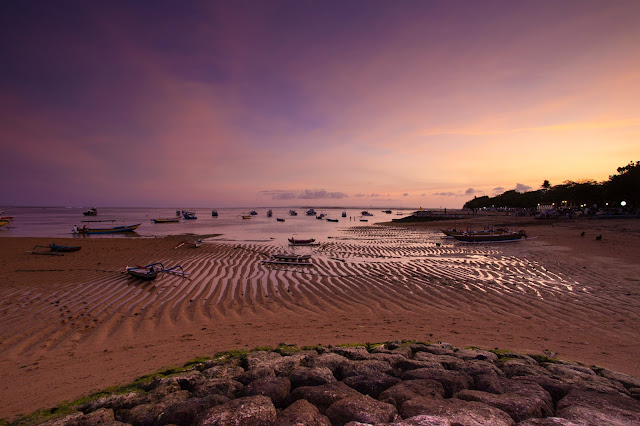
(293, 213)
(3, 222)
(344, 214)
(116, 229)
(246, 216)
(166, 220)
(332, 220)
(290, 259)
(91, 212)
(55, 249)
(279, 219)
(189, 215)
(150, 272)
(214, 213)
(490, 237)
(307, 242)
(269, 213)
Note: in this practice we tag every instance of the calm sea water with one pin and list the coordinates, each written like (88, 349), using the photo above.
(59, 221)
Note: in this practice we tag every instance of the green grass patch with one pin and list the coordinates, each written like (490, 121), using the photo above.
(543, 358)
(286, 349)
(196, 361)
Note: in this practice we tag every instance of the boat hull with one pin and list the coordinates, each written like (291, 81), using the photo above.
(490, 238)
(114, 230)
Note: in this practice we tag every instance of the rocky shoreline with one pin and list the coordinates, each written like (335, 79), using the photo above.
(397, 383)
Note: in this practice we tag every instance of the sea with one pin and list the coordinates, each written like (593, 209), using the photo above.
(59, 221)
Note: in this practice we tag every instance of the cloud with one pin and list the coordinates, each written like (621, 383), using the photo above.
(520, 187)
(306, 194)
(423, 195)
(445, 194)
(406, 194)
(470, 191)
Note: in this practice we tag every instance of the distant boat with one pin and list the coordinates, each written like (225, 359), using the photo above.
(246, 216)
(290, 259)
(150, 272)
(3, 222)
(91, 212)
(293, 213)
(320, 216)
(492, 237)
(253, 213)
(115, 229)
(55, 249)
(365, 213)
(269, 213)
(166, 220)
(214, 213)
(332, 220)
(301, 242)
(364, 220)
(189, 215)
(311, 212)
(280, 219)
(386, 211)
(344, 214)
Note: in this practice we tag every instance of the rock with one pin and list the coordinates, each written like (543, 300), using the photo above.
(358, 368)
(414, 364)
(185, 412)
(458, 412)
(324, 395)
(257, 373)
(227, 387)
(549, 421)
(275, 388)
(352, 352)
(434, 349)
(585, 378)
(391, 358)
(449, 362)
(302, 413)
(330, 360)
(305, 376)
(452, 381)
(626, 380)
(408, 389)
(248, 411)
(469, 354)
(362, 409)
(556, 388)
(518, 367)
(115, 402)
(423, 420)
(371, 384)
(225, 371)
(142, 415)
(102, 416)
(521, 400)
(257, 359)
(596, 408)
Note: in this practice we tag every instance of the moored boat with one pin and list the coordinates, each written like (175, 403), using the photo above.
(246, 216)
(290, 259)
(302, 242)
(214, 213)
(332, 220)
(189, 215)
(150, 272)
(253, 213)
(3, 222)
(91, 212)
(279, 219)
(365, 213)
(87, 230)
(311, 212)
(166, 220)
(269, 213)
(293, 213)
(490, 237)
(344, 213)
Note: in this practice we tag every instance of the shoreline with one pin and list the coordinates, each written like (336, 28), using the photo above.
(75, 324)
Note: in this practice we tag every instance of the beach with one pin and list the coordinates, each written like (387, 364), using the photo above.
(77, 323)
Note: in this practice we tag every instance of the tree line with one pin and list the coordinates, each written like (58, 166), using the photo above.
(621, 189)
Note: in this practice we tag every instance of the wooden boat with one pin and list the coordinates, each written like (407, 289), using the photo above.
(290, 259)
(300, 242)
(91, 212)
(269, 213)
(279, 219)
(365, 213)
(320, 216)
(3, 222)
(386, 211)
(166, 220)
(344, 214)
(189, 215)
(7, 218)
(293, 213)
(332, 220)
(115, 229)
(364, 220)
(214, 213)
(490, 237)
(311, 212)
(150, 272)
(246, 216)
(55, 250)
(253, 213)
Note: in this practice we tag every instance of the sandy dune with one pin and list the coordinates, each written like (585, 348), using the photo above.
(76, 323)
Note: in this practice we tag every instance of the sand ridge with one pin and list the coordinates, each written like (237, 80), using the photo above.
(76, 323)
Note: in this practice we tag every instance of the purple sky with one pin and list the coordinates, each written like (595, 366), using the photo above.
(268, 103)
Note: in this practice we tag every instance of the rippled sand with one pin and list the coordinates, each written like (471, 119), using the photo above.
(76, 323)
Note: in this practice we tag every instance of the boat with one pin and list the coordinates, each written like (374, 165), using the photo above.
(365, 213)
(150, 272)
(320, 216)
(166, 220)
(344, 213)
(301, 242)
(253, 213)
(364, 220)
(293, 213)
(279, 219)
(214, 213)
(290, 259)
(490, 237)
(311, 212)
(7, 218)
(3, 222)
(332, 220)
(189, 215)
(91, 212)
(197, 244)
(269, 213)
(386, 211)
(116, 229)
(246, 216)
(55, 249)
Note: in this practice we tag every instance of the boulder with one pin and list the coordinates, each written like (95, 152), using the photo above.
(330, 360)
(414, 364)
(457, 411)
(361, 409)
(324, 395)
(254, 374)
(305, 376)
(550, 421)
(248, 411)
(449, 362)
(469, 354)
(352, 352)
(371, 384)
(441, 349)
(227, 387)
(115, 402)
(302, 412)
(585, 378)
(275, 388)
(408, 389)
(185, 412)
(627, 381)
(370, 366)
(599, 408)
(452, 381)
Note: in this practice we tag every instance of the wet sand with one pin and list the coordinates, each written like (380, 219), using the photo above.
(76, 323)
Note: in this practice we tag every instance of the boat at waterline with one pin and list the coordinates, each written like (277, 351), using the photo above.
(91, 212)
(279, 219)
(246, 216)
(150, 272)
(3, 223)
(115, 229)
(301, 242)
(311, 212)
(490, 237)
(166, 220)
(290, 259)
(293, 213)
(269, 213)
(332, 220)
(55, 249)
(189, 215)
(344, 214)
(214, 213)
(365, 213)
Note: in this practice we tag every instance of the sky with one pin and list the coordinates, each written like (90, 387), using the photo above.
(312, 103)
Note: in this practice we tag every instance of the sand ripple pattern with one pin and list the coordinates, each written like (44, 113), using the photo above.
(371, 269)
